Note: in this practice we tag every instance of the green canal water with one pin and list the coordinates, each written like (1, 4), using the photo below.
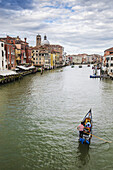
(39, 116)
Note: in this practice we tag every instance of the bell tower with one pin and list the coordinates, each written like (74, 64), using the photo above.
(38, 40)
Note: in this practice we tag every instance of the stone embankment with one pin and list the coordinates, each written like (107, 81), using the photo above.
(11, 76)
(7, 76)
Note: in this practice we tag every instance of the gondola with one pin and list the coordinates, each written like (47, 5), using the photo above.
(87, 133)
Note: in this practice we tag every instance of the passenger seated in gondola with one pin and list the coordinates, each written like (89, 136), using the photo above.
(87, 127)
(81, 129)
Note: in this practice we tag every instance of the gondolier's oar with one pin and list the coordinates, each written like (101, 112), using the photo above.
(101, 138)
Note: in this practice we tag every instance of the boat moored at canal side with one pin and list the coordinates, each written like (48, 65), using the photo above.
(80, 66)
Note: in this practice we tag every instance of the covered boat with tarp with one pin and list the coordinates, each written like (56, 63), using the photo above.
(87, 133)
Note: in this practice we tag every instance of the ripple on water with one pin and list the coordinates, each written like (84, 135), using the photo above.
(39, 116)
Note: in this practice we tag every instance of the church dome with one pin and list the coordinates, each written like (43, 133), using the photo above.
(45, 41)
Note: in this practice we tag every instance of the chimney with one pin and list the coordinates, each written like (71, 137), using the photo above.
(25, 39)
(18, 38)
(7, 36)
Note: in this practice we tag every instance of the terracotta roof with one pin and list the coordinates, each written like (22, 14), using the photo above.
(109, 49)
(55, 51)
(56, 45)
(14, 38)
(10, 44)
(34, 48)
(1, 40)
(43, 51)
(8, 37)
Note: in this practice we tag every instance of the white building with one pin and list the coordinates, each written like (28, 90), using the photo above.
(109, 63)
(3, 61)
(77, 59)
(89, 59)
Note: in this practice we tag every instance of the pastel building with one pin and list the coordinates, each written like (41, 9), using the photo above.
(41, 58)
(17, 51)
(53, 59)
(45, 44)
(35, 56)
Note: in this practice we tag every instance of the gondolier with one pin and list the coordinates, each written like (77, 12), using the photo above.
(85, 129)
(81, 129)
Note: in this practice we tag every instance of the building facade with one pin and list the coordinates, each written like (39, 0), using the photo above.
(77, 59)
(17, 51)
(10, 55)
(41, 58)
(109, 63)
(3, 61)
(108, 60)
(45, 44)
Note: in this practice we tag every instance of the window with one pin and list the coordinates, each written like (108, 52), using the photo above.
(112, 64)
(111, 58)
(107, 59)
(107, 65)
(2, 53)
(39, 62)
(2, 44)
(39, 58)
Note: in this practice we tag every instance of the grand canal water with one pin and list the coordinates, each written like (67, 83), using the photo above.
(39, 116)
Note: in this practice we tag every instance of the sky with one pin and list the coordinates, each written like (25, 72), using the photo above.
(80, 26)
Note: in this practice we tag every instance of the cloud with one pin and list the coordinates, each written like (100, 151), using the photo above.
(79, 26)
(16, 5)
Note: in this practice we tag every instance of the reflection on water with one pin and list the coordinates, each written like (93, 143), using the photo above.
(39, 115)
(83, 155)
